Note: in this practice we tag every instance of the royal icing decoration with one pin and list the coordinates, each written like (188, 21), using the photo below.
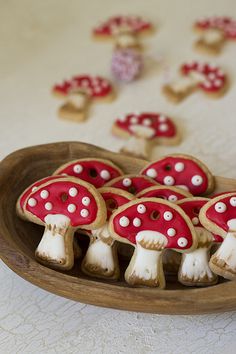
(131, 183)
(172, 194)
(95, 171)
(227, 25)
(193, 176)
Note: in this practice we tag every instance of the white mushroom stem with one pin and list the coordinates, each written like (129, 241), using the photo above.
(187, 83)
(99, 259)
(78, 100)
(194, 268)
(223, 262)
(145, 267)
(56, 245)
(126, 40)
(138, 143)
(212, 36)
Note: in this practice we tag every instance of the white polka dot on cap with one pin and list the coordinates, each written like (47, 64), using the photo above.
(151, 172)
(105, 174)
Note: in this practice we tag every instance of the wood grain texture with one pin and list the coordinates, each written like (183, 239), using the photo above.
(19, 239)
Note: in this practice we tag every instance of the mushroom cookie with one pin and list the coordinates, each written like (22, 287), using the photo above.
(197, 76)
(182, 171)
(95, 171)
(79, 92)
(127, 27)
(214, 32)
(219, 217)
(63, 205)
(172, 194)
(194, 269)
(101, 258)
(132, 183)
(151, 225)
(144, 130)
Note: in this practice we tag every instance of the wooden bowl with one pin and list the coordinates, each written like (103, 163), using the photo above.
(18, 241)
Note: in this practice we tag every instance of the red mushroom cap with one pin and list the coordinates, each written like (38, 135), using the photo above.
(226, 24)
(213, 78)
(94, 86)
(71, 197)
(192, 207)
(172, 194)
(182, 171)
(219, 214)
(110, 27)
(95, 171)
(150, 214)
(114, 198)
(132, 183)
(32, 188)
(152, 125)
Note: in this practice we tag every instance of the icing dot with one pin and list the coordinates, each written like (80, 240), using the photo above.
(169, 181)
(105, 174)
(197, 180)
(32, 202)
(136, 222)
(195, 220)
(182, 242)
(124, 221)
(212, 76)
(151, 172)
(34, 189)
(233, 201)
(48, 206)
(134, 120)
(163, 127)
(168, 216)
(218, 83)
(162, 118)
(147, 122)
(141, 209)
(179, 166)
(220, 207)
(126, 182)
(44, 194)
(86, 201)
(172, 198)
(78, 168)
(171, 232)
(73, 192)
(71, 208)
(84, 213)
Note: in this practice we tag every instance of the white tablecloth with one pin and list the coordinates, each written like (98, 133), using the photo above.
(43, 42)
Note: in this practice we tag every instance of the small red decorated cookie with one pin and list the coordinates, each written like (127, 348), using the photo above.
(63, 205)
(172, 194)
(112, 26)
(182, 171)
(101, 258)
(194, 269)
(142, 130)
(132, 183)
(79, 92)
(205, 77)
(92, 170)
(151, 225)
(219, 217)
(215, 31)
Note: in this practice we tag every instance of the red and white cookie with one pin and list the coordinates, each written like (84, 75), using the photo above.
(219, 217)
(101, 257)
(143, 130)
(182, 171)
(151, 225)
(112, 26)
(94, 171)
(133, 184)
(215, 31)
(79, 92)
(194, 269)
(205, 77)
(63, 205)
(172, 194)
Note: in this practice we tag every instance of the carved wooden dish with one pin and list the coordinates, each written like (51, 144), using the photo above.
(18, 240)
